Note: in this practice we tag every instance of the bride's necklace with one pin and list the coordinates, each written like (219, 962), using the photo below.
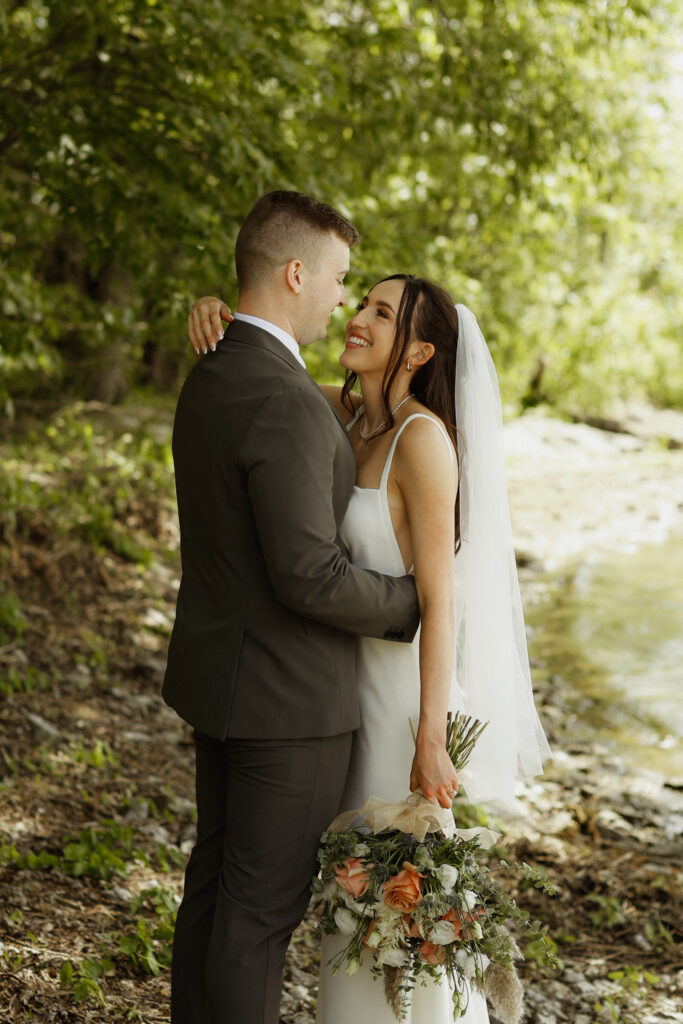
(366, 437)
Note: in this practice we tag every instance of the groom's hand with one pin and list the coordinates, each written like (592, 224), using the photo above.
(205, 323)
(433, 772)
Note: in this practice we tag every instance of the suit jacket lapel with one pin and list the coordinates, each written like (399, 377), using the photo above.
(241, 331)
(246, 333)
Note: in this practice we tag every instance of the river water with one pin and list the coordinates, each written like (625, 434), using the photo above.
(609, 635)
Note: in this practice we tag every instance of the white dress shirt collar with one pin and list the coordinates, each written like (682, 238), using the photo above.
(287, 340)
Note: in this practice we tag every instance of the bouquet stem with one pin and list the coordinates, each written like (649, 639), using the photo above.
(462, 733)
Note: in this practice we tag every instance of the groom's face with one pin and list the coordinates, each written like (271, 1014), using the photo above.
(323, 289)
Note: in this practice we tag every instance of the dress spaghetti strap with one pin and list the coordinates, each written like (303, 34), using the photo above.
(390, 456)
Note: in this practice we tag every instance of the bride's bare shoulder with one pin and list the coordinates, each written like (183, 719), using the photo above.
(345, 410)
(422, 439)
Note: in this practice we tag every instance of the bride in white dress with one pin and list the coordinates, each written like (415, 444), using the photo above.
(427, 436)
(401, 344)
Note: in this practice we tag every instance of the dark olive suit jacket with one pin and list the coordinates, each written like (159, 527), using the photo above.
(269, 605)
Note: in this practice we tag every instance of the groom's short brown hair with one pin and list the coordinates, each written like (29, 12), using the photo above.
(282, 226)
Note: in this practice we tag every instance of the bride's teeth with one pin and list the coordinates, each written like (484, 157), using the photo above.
(359, 341)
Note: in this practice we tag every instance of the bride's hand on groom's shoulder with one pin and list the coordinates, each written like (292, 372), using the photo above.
(205, 323)
(433, 772)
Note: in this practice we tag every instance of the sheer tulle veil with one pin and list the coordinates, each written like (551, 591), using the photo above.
(491, 675)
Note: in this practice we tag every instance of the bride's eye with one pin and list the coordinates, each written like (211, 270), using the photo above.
(361, 305)
(380, 312)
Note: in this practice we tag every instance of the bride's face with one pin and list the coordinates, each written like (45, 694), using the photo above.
(371, 330)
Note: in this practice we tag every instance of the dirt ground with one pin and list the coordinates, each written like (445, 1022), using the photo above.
(96, 795)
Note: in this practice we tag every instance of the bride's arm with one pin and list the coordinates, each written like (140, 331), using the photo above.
(427, 479)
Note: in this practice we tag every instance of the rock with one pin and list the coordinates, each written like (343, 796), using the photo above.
(81, 676)
(157, 620)
(122, 894)
(42, 725)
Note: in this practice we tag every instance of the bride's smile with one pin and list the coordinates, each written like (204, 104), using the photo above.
(370, 331)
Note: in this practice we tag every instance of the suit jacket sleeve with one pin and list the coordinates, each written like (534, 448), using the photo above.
(288, 456)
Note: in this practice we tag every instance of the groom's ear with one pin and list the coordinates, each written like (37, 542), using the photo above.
(294, 275)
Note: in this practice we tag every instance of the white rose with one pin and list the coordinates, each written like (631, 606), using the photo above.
(393, 957)
(361, 850)
(470, 899)
(466, 963)
(374, 938)
(448, 876)
(476, 929)
(442, 933)
(345, 921)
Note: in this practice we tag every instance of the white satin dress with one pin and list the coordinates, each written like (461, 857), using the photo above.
(383, 749)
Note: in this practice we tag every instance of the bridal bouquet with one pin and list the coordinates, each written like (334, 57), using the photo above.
(412, 892)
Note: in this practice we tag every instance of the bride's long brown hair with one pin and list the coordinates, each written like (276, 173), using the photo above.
(426, 311)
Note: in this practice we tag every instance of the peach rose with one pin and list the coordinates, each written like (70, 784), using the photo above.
(460, 922)
(432, 954)
(403, 891)
(455, 921)
(353, 877)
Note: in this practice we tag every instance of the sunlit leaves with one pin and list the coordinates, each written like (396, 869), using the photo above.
(510, 150)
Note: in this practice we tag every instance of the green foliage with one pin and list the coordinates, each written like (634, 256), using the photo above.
(13, 622)
(100, 851)
(542, 951)
(633, 979)
(100, 755)
(608, 912)
(523, 153)
(22, 680)
(85, 980)
(150, 946)
(658, 935)
(537, 877)
(80, 478)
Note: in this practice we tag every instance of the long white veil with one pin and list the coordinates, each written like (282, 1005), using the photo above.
(491, 676)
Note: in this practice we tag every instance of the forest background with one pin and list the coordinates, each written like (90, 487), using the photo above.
(524, 153)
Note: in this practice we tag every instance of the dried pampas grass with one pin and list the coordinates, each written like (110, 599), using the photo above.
(504, 991)
(394, 990)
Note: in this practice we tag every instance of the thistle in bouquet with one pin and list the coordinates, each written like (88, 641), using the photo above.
(413, 896)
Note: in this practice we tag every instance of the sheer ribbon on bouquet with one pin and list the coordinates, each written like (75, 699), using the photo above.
(415, 815)
(492, 681)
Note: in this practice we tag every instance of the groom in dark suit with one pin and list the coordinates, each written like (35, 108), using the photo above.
(262, 656)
